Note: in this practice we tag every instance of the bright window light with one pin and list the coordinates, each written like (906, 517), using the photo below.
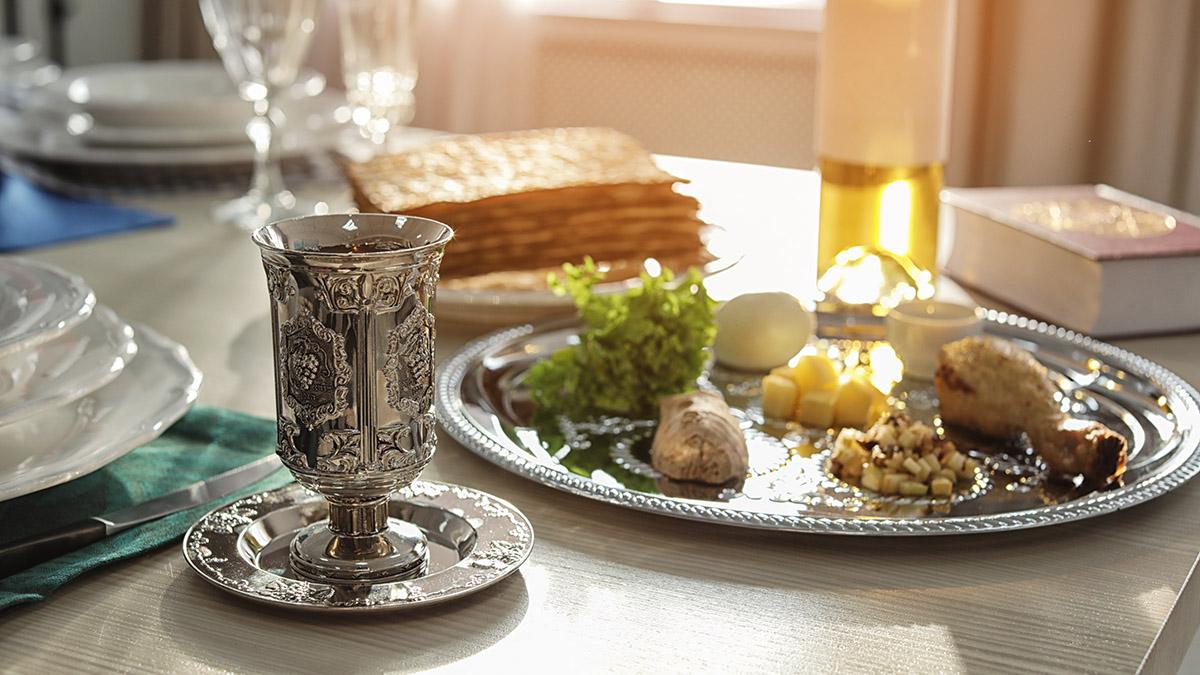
(742, 3)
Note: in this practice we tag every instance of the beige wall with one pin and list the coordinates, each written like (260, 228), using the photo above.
(679, 82)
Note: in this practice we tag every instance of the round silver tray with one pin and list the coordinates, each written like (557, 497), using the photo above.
(482, 404)
(475, 540)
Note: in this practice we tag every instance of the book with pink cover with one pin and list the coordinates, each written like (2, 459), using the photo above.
(1088, 257)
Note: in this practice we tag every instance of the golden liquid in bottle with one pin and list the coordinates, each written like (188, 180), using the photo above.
(884, 209)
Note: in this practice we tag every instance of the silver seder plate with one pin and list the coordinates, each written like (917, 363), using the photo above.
(475, 540)
(483, 405)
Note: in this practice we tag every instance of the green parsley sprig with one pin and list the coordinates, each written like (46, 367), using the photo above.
(635, 347)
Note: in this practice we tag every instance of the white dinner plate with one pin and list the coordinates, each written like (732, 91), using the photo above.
(172, 137)
(40, 303)
(46, 140)
(10, 305)
(68, 441)
(68, 367)
(312, 114)
(312, 127)
(159, 93)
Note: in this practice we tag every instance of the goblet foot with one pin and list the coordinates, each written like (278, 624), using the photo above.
(399, 552)
(255, 209)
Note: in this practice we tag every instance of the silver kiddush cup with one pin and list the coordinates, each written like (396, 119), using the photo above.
(353, 334)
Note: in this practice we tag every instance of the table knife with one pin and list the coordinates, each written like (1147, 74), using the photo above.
(25, 553)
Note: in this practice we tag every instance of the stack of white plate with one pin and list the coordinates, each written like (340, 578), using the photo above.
(157, 124)
(79, 387)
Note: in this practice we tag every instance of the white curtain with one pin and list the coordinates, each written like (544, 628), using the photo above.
(1079, 91)
(475, 56)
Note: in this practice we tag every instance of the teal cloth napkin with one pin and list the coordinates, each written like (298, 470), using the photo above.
(204, 443)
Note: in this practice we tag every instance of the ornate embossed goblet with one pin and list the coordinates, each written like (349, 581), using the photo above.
(353, 338)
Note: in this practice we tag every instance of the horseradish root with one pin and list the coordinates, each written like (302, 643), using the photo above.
(697, 439)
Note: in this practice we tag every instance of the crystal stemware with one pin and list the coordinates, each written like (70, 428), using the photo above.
(379, 64)
(262, 44)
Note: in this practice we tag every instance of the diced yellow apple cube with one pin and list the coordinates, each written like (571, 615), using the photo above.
(784, 371)
(931, 462)
(854, 469)
(855, 398)
(911, 488)
(815, 408)
(843, 453)
(891, 483)
(872, 478)
(941, 487)
(968, 469)
(925, 473)
(848, 452)
(778, 397)
(913, 466)
(814, 372)
(955, 461)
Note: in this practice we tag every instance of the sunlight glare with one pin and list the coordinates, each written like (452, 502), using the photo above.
(895, 217)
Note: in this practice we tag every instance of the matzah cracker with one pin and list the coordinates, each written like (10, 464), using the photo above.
(525, 202)
(468, 169)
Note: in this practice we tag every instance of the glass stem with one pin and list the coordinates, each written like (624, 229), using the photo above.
(268, 178)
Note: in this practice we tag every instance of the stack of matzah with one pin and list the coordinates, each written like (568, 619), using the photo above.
(523, 203)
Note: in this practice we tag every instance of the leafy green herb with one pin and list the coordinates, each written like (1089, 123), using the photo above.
(635, 347)
(597, 452)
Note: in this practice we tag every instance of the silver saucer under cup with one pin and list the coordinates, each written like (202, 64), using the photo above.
(475, 541)
(353, 336)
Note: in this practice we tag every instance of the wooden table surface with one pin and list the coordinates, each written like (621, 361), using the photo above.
(612, 589)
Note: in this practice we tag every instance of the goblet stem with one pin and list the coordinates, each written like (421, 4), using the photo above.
(267, 178)
(358, 518)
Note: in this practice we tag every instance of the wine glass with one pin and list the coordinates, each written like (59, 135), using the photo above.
(261, 43)
(379, 64)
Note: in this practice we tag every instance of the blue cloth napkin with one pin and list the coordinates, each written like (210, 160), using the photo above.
(31, 217)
